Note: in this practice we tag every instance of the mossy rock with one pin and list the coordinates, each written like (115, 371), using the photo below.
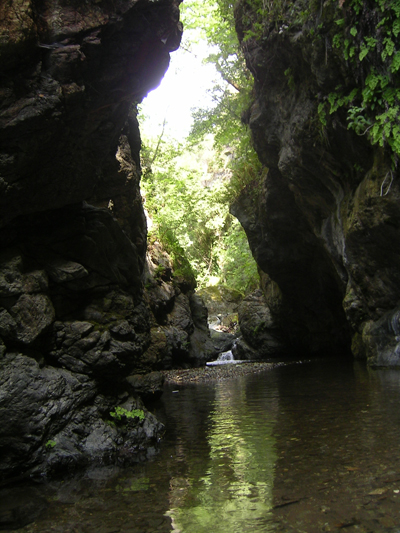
(358, 347)
(221, 293)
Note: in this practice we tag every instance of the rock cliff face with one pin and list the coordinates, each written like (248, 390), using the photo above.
(325, 229)
(74, 319)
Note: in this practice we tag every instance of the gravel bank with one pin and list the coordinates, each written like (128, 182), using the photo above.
(196, 375)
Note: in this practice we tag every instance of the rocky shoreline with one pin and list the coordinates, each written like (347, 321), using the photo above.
(218, 373)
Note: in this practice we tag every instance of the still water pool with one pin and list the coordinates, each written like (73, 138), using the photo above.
(308, 448)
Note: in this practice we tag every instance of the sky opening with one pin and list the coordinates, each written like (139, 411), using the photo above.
(184, 87)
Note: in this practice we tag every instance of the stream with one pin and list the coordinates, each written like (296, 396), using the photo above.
(309, 447)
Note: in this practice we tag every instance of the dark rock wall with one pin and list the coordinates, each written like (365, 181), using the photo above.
(70, 71)
(179, 327)
(75, 321)
(323, 230)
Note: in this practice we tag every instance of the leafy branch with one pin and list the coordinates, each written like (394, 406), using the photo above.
(368, 39)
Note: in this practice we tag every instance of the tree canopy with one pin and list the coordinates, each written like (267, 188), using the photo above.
(189, 185)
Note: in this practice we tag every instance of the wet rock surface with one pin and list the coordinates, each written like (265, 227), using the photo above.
(324, 225)
(179, 334)
(56, 420)
(258, 328)
(79, 66)
(382, 339)
(74, 322)
(222, 340)
(220, 300)
(148, 386)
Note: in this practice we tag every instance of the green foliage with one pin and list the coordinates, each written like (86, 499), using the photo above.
(231, 95)
(368, 40)
(247, 174)
(188, 188)
(181, 265)
(259, 14)
(238, 269)
(160, 269)
(290, 79)
(259, 17)
(188, 201)
(136, 485)
(322, 113)
(120, 413)
(50, 444)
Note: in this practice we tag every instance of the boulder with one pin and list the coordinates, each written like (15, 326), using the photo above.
(148, 386)
(221, 340)
(55, 420)
(381, 340)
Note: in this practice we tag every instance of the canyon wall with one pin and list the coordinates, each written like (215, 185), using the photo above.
(325, 228)
(87, 313)
(82, 315)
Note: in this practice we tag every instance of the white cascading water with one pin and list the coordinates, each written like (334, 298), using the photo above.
(225, 358)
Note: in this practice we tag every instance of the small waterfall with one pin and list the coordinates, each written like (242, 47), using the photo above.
(226, 357)
(214, 321)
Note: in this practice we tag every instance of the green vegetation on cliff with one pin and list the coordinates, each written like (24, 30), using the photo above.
(363, 35)
(368, 39)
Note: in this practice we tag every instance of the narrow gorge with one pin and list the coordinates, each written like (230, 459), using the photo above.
(89, 313)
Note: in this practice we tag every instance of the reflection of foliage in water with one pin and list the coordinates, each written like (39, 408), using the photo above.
(235, 494)
(136, 485)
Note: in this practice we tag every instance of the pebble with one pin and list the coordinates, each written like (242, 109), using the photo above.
(215, 373)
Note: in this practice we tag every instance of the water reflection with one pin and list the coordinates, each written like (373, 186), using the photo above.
(301, 449)
(235, 492)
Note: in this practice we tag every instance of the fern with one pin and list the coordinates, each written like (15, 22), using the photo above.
(373, 51)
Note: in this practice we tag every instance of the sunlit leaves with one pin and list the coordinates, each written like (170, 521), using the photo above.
(373, 52)
(188, 188)
(186, 198)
